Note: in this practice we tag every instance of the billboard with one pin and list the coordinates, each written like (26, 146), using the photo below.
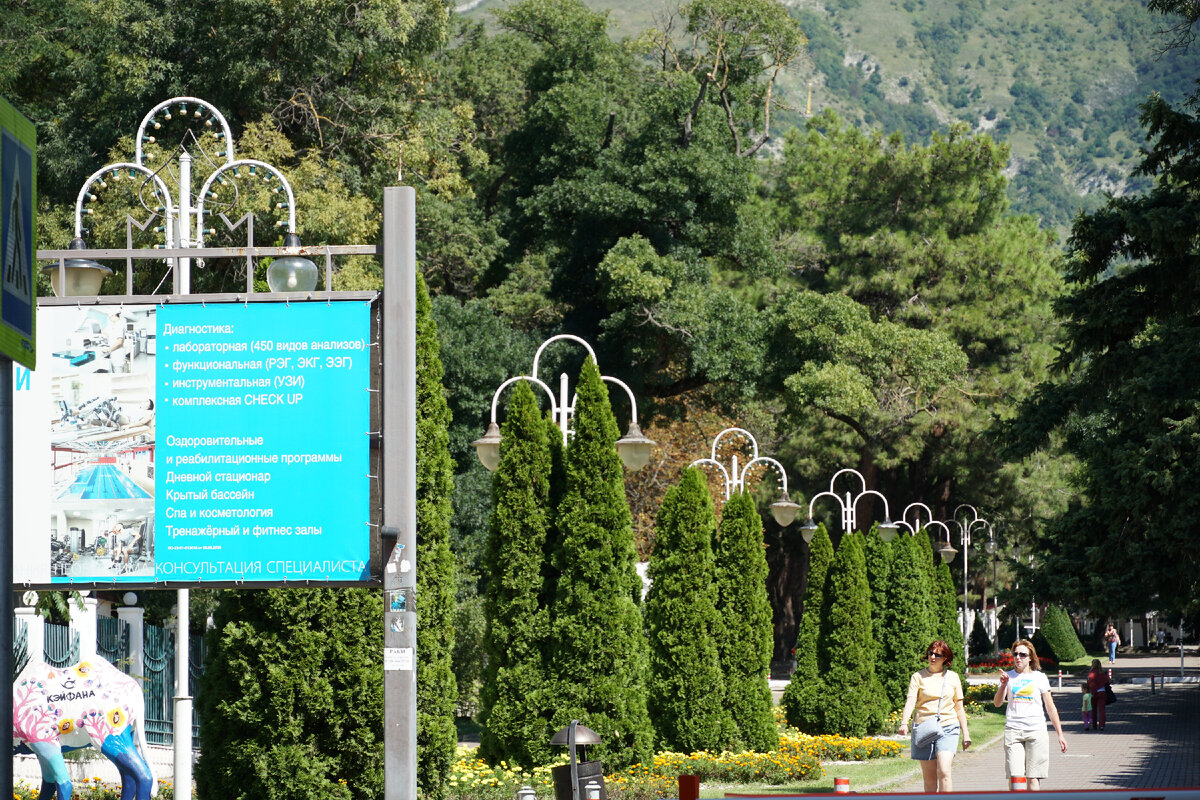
(18, 220)
(195, 442)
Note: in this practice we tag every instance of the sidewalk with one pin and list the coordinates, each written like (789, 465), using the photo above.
(1151, 740)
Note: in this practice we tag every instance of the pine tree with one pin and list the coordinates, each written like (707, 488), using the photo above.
(515, 728)
(802, 697)
(598, 645)
(686, 697)
(852, 698)
(746, 620)
(949, 629)
(437, 690)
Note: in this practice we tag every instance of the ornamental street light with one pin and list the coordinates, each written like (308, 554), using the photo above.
(633, 448)
(887, 528)
(783, 510)
(965, 525)
(183, 214)
(916, 525)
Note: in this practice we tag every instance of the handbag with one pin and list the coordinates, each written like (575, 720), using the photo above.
(927, 732)
(1110, 696)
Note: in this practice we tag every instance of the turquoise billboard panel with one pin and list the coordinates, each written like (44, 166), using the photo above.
(194, 443)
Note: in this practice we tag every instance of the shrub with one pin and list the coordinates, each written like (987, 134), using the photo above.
(1059, 637)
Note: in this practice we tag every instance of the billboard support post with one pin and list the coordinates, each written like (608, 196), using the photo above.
(399, 473)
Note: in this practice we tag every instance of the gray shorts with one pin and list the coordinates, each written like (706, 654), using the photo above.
(1026, 753)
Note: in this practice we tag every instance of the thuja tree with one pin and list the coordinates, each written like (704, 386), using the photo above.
(981, 643)
(686, 697)
(291, 698)
(598, 645)
(802, 698)
(852, 696)
(515, 728)
(949, 628)
(906, 628)
(877, 556)
(1060, 636)
(437, 690)
(745, 610)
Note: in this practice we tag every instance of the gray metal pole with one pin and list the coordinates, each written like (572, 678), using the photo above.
(6, 557)
(399, 489)
(181, 727)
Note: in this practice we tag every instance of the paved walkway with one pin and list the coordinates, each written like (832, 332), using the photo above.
(1151, 740)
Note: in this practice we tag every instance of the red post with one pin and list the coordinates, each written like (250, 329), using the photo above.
(689, 787)
(841, 785)
(1018, 783)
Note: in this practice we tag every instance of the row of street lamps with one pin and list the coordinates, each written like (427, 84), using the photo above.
(634, 450)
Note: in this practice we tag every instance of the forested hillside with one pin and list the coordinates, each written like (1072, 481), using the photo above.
(1059, 80)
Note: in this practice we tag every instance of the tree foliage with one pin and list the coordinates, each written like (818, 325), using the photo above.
(437, 692)
(291, 698)
(905, 621)
(515, 723)
(598, 645)
(687, 692)
(802, 699)
(746, 642)
(1122, 400)
(851, 694)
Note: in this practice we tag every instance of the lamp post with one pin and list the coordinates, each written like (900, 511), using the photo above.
(783, 510)
(887, 528)
(990, 546)
(915, 526)
(633, 448)
(964, 532)
(182, 215)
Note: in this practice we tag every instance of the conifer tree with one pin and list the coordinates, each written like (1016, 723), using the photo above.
(437, 689)
(878, 558)
(1060, 636)
(909, 629)
(745, 611)
(686, 698)
(802, 697)
(981, 643)
(852, 696)
(946, 601)
(598, 645)
(515, 728)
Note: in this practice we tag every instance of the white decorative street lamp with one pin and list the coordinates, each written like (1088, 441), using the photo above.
(916, 525)
(783, 510)
(887, 528)
(183, 213)
(964, 530)
(633, 448)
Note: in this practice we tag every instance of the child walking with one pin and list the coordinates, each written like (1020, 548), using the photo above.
(1087, 705)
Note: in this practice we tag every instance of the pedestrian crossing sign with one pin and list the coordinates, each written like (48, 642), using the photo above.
(18, 210)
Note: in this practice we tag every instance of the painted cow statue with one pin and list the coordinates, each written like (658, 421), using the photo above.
(89, 703)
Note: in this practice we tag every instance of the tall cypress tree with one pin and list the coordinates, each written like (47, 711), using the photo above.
(907, 630)
(853, 704)
(515, 726)
(878, 558)
(598, 645)
(802, 697)
(686, 697)
(745, 611)
(437, 690)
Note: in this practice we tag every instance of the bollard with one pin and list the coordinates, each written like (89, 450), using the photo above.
(1018, 783)
(689, 787)
(526, 793)
(1060, 679)
(592, 791)
(841, 785)
(1151, 683)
